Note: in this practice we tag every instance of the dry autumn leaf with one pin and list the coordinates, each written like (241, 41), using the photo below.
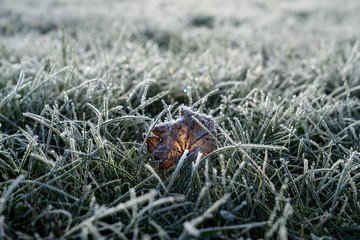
(173, 138)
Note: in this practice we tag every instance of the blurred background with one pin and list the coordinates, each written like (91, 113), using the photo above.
(34, 27)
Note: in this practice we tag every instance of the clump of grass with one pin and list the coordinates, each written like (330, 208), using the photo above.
(73, 162)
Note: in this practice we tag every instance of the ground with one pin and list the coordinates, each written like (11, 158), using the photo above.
(82, 83)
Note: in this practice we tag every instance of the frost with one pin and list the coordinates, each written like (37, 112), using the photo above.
(173, 138)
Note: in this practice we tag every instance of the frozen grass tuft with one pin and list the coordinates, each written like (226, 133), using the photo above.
(79, 86)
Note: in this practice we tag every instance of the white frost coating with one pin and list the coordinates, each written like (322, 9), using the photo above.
(178, 167)
(186, 110)
(191, 229)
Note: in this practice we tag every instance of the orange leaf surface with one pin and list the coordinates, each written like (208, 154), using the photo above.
(173, 138)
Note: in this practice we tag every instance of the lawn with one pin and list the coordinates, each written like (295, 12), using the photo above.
(84, 83)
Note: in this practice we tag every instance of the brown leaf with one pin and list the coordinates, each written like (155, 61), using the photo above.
(173, 138)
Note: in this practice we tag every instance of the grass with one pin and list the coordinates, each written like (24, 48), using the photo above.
(80, 83)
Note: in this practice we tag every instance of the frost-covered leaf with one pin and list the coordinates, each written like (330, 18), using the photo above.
(173, 138)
